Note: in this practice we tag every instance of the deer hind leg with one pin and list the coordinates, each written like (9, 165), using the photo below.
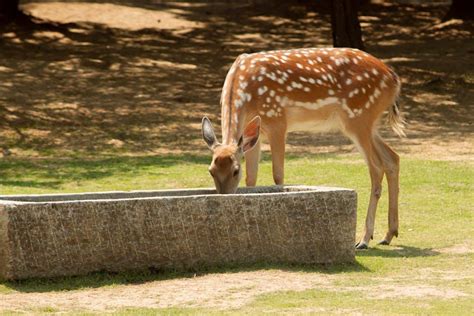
(367, 147)
(252, 157)
(277, 140)
(391, 166)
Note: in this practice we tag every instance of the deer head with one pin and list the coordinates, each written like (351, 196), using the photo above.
(225, 167)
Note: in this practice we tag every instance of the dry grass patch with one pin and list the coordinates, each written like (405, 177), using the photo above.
(222, 291)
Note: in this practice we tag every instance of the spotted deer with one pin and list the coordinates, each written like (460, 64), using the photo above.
(307, 89)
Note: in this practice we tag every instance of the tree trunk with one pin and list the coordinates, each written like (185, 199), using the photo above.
(345, 24)
(460, 9)
(9, 9)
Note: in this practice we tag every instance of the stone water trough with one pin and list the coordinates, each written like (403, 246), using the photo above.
(75, 234)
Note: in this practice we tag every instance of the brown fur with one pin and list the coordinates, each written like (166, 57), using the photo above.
(309, 89)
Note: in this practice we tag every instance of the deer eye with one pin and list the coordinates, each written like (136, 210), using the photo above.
(236, 172)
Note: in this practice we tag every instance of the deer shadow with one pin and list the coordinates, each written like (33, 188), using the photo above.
(399, 251)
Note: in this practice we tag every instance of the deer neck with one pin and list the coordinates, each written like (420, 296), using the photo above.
(232, 106)
(232, 126)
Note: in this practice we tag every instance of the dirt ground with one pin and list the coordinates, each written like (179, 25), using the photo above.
(224, 291)
(129, 77)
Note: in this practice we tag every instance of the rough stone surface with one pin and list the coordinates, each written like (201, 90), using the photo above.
(74, 234)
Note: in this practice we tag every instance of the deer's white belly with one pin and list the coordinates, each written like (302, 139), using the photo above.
(299, 121)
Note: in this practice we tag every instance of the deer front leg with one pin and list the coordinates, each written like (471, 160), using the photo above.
(277, 141)
(252, 158)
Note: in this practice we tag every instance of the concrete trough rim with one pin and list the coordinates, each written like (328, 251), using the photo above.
(12, 200)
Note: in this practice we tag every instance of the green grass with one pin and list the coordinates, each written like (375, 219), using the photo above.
(435, 212)
(354, 301)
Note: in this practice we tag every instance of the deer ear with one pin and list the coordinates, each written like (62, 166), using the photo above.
(251, 134)
(208, 133)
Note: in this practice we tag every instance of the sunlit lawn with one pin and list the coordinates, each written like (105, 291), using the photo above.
(436, 213)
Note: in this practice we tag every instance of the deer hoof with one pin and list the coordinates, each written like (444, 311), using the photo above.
(361, 245)
(384, 242)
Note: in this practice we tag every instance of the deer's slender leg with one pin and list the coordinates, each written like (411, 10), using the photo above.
(252, 157)
(277, 139)
(367, 147)
(391, 165)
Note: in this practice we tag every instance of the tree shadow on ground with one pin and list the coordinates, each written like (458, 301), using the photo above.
(87, 88)
(100, 279)
(52, 174)
(399, 251)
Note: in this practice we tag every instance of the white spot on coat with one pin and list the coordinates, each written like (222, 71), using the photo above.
(377, 92)
(238, 103)
(296, 85)
(271, 113)
(316, 105)
(262, 90)
(347, 109)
